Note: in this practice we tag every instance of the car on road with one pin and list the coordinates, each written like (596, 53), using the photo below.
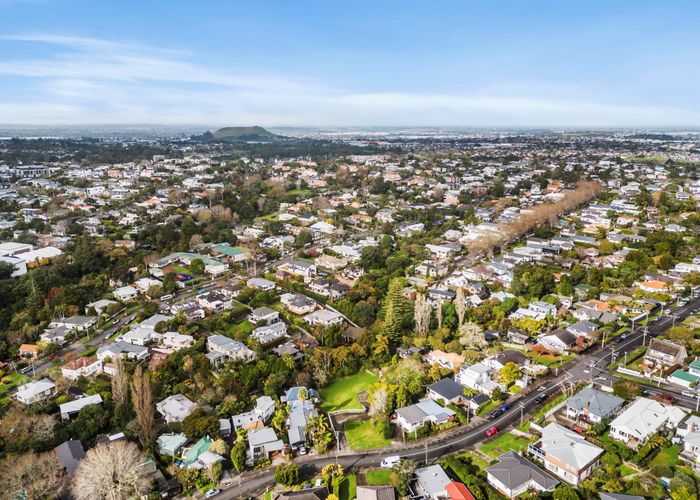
(167, 296)
(505, 407)
(495, 414)
(389, 462)
(689, 394)
(212, 492)
(26, 369)
(542, 388)
(540, 398)
(492, 431)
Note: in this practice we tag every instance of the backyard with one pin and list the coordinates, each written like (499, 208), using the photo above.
(362, 434)
(9, 383)
(504, 443)
(342, 394)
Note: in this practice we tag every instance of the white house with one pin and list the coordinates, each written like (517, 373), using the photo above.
(478, 378)
(35, 391)
(175, 408)
(125, 293)
(643, 418)
(73, 407)
(566, 453)
(324, 317)
(229, 348)
(411, 418)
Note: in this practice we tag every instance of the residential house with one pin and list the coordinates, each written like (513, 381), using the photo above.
(29, 351)
(446, 390)
(566, 453)
(662, 355)
(478, 378)
(515, 474)
(411, 418)
(298, 304)
(643, 418)
(591, 405)
(261, 284)
(267, 334)
(81, 367)
(262, 412)
(559, 341)
(71, 408)
(176, 341)
(122, 349)
(69, 455)
(444, 359)
(229, 348)
(55, 335)
(35, 391)
(263, 315)
(264, 442)
(170, 444)
(175, 408)
(125, 293)
(385, 492)
(324, 317)
(431, 482)
(498, 361)
(75, 323)
(582, 329)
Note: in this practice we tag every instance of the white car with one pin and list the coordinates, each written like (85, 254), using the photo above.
(689, 394)
(212, 492)
(389, 462)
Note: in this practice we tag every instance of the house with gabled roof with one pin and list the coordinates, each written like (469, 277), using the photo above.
(566, 453)
(592, 405)
(515, 474)
(643, 418)
(411, 418)
(662, 355)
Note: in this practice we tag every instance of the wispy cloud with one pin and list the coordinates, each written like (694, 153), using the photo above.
(95, 81)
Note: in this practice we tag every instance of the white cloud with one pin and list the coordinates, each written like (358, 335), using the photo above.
(93, 81)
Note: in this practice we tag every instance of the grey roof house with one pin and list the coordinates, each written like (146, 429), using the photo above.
(592, 405)
(515, 474)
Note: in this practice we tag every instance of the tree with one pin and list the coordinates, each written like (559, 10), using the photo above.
(471, 336)
(142, 396)
(33, 476)
(198, 424)
(401, 475)
(320, 433)
(565, 492)
(331, 471)
(497, 395)
(460, 303)
(395, 309)
(120, 383)
(626, 389)
(110, 471)
(510, 373)
(188, 478)
(287, 473)
(214, 472)
(421, 314)
(197, 266)
(682, 334)
(219, 446)
(238, 452)
(378, 399)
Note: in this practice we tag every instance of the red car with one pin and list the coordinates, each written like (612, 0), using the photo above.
(491, 431)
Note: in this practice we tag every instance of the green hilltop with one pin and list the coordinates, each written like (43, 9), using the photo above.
(243, 133)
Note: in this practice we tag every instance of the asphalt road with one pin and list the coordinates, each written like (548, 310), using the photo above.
(577, 370)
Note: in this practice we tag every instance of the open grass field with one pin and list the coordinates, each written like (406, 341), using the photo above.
(361, 435)
(504, 443)
(378, 477)
(245, 327)
(342, 394)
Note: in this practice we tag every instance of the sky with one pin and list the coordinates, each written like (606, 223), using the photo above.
(592, 64)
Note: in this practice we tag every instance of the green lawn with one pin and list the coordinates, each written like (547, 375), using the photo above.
(487, 408)
(245, 327)
(342, 394)
(364, 434)
(378, 477)
(667, 456)
(347, 489)
(626, 470)
(504, 443)
(548, 359)
(10, 382)
(476, 459)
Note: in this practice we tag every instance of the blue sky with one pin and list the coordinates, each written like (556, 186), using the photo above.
(352, 63)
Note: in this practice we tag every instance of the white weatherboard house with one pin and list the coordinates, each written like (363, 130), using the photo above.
(643, 418)
(566, 453)
(36, 391)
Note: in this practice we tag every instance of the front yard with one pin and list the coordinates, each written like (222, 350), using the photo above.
(363, 434)
(378, 477)
(342, 394)
(504, 443)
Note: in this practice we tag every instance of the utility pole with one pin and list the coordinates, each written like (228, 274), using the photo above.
(522, 407)
(697, 401)
(625, 358)
(646, 330)
(425, 445)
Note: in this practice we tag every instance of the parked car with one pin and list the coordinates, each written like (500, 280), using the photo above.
(540, 398)
(492, 431)
(212, 492)
(495, 413)
(389, 462)
(689, 394)
(505, 407)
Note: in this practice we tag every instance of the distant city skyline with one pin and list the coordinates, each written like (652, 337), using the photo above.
(541, 64)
